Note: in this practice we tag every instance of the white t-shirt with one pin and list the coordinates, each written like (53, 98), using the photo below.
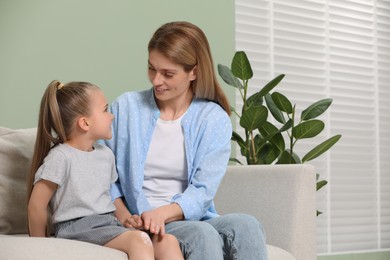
(165, 165)
(83, 178)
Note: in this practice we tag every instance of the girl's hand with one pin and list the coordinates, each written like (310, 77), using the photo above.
(134, 221)
(122, 213)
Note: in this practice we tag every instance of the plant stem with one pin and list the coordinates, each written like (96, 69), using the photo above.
(253, 148)
(291, 136)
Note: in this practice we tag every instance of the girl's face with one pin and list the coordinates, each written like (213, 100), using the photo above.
(170, 81)
(100, 118)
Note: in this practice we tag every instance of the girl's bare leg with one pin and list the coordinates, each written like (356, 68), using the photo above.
(136, 244)
(166, 247)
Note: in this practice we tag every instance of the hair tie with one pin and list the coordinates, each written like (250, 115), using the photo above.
(60, 86)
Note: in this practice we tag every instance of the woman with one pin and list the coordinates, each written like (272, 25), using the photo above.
(172, 145)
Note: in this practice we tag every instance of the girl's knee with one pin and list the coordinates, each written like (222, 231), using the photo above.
(140, 237)
(135, 243)
(165, 240)
(144, 238)
(168, 238)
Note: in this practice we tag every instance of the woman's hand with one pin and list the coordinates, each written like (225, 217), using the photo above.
(154, 220)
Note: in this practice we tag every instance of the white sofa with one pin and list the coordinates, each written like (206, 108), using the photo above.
(282, 197)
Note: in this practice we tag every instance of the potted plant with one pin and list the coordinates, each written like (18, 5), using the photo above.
(263, 142)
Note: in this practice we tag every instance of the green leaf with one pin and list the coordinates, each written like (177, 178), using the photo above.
(321, 148)
(272, 133)
(227, 76)
(237, 138)
(233, 109)
(282, 102)
(267, 154)
(241, 143)
(308, 129)
(259, 142)
(253, 117)
(275, 111)
(235, 160)
(287, 158)
(241, 67)
(321, 184)
(271, 85)
(278, 141)
(286, 126)
(316, 109)
(268, 129)
(254, 100)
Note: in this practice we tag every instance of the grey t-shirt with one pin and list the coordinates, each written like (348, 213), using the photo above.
(83, 178)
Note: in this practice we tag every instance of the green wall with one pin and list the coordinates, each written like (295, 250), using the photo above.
(100, 41)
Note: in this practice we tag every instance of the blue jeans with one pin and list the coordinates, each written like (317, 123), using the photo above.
(232, 236)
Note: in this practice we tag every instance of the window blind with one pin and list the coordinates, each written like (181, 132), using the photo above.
(383, 123)
(338, 49)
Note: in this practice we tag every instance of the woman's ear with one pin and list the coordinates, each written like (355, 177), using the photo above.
(82, 122)
(193, 73)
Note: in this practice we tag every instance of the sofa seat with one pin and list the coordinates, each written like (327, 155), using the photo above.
(22, 247)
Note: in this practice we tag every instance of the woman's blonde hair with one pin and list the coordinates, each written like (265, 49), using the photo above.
(185, 44)
(60, 107)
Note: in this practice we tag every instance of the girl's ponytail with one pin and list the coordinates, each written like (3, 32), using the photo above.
(50, 130)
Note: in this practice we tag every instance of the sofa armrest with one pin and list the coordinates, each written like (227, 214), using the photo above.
(281, 197)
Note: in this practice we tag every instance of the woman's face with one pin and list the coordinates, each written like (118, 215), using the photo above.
(170, 81)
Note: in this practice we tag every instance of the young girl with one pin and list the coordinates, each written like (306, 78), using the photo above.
(72, 175)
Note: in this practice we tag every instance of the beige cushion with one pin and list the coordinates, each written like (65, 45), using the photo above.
(22, 247)
(16, 148)
(38, 248)
(278, 253)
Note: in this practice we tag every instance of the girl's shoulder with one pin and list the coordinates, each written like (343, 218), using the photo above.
(59, 153)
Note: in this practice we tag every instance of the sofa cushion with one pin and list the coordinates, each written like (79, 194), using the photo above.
(278, 253)
(39, 248)
(16, 149)
(23, 247)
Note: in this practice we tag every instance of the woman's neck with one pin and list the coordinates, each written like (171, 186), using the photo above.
(172, 110)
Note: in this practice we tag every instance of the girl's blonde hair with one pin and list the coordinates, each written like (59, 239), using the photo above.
(185, 44)
(60, 107)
